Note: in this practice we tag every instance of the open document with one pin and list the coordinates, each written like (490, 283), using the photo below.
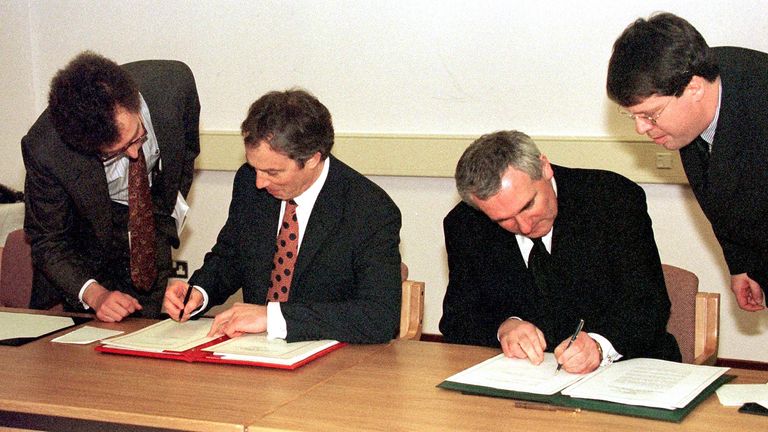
(647, 388)
(188, 341)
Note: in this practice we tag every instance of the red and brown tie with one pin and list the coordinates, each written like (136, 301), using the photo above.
(285, 255)
(141, 225)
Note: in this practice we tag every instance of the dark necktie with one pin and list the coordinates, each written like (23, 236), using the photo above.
(285, 255)
(141, 225)
(540, 265)
(702, 149)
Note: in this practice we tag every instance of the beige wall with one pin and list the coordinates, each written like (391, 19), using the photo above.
(395, 67)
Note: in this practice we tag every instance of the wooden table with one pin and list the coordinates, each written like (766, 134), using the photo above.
(396, 390)
(359, 387)
(78, 382)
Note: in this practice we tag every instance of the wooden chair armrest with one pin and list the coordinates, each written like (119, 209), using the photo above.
(412, 310)
(707, 327)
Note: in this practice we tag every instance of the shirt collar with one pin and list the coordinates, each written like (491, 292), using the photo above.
(709, 133)
(308, 197)
(526, 244)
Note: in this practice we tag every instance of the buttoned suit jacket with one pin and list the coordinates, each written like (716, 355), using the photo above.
(733, 189)
(607, 261)
(69, 214)
(346, 283)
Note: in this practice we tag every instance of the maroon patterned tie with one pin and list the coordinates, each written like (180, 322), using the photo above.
(141, 225)
(285, 255)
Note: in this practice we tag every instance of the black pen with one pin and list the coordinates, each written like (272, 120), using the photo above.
(573, 338)
(186, 300)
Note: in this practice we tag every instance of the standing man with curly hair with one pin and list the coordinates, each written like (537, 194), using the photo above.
(108, 166)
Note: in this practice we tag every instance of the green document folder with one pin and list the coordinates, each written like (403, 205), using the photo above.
(558, 399)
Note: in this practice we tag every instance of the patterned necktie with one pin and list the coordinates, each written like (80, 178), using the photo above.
(540, 265)
(286, 252)
(141, 225)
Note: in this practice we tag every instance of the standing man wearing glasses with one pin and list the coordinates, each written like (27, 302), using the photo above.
(108, 166)
(711, 104)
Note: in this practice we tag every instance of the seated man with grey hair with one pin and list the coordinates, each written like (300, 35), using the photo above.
(534, 248)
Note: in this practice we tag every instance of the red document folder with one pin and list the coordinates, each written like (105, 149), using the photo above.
(289, 358)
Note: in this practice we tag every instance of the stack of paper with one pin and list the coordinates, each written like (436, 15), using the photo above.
(739, 394)
(647, 382)
(14, 326)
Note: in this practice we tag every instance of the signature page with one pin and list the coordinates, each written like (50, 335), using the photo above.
(518, 375)
(167, 335)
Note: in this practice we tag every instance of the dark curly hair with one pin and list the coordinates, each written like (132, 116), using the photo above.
(659, 55)
(293, 122)
(84, 98)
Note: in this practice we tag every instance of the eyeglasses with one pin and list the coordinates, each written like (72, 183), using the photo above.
(649, 118)
(111, 157)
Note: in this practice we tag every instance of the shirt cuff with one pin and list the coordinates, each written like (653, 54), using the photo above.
(82, 291)
(276, 325)
(205, 301)
(610, 354)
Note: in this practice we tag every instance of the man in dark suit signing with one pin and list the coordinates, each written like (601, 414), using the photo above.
(312, 243)
(711, 104)
(534, 248)
(108, 166)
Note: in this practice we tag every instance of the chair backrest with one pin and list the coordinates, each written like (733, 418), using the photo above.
(694, 316)
(16, 271)
(412, 307)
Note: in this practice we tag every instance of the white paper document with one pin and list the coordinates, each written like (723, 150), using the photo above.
(647, 382)
(23, 325)
(739, 394)
(85, 335)
(518, 375)
(257, 348)
(168, 335)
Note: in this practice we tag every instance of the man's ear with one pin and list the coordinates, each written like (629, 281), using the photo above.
(697, 87)
(546, 168)
(312, 162)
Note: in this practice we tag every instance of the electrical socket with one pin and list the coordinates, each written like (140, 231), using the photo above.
(180, 269)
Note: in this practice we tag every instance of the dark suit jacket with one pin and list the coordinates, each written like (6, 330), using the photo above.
(346, 284)
(733, 191)
(604, 250)
(69, 215)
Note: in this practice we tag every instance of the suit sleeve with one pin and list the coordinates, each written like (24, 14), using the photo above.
(466, 319)
(367, 310)
(191, 134)
(48, 220)
(636, 310)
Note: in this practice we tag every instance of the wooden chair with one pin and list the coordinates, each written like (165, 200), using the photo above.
(694, 318)
(412, 308)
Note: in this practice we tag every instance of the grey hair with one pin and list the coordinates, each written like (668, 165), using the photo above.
(484, 162)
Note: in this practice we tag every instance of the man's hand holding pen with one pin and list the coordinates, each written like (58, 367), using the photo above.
(174, 302)
(582, 356)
